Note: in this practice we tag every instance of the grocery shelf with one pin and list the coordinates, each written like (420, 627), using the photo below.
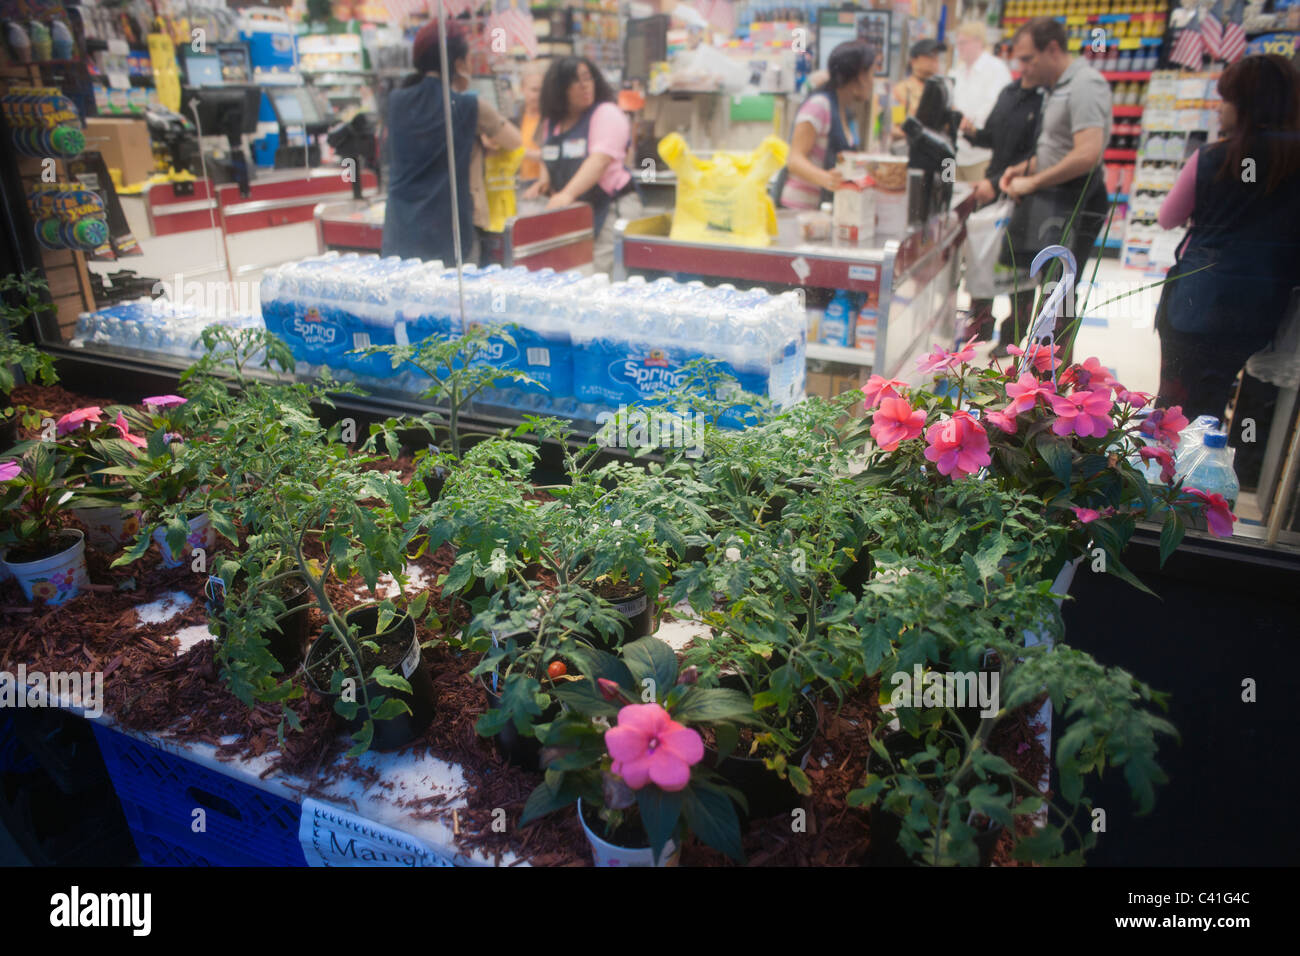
(838, 353)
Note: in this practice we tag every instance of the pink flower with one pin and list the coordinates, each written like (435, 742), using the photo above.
(1086, 515)
(163, 401)
(649, 746)
(1040, 357)
(1025, 393)
(1135, 399)
(1082, 413)
(9, 470)
(124, 430)
(959, 446)
(1004, 421)
(1163, 455)
(1089, 375)
(1218, 513)
(877, 389)
(896, 421)
(74, 420)
(941, 359)
(1164, 424)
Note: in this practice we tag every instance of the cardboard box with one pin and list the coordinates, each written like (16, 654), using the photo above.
(855, 211)
(819, 384)
(124, 144)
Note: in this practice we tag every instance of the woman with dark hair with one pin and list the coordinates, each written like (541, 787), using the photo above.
(585, 138)
(418, 211)
(1233, 274)
(824, 127)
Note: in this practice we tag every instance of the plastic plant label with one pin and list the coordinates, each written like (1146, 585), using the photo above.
(412, 659)
(334, 837)
(800, 267)
(632, 607)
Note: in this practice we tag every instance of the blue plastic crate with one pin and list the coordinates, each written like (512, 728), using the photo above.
(155, 851)
(245, 826)
(14, 757)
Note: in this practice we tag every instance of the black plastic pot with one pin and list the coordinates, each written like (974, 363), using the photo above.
(398, 731)
(638, 610)
(884, 848)
(766, 792)
(434, 482)
(518, 750)
(8, 432)
(288, 640)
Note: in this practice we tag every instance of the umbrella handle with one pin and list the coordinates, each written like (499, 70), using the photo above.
(1043, 330)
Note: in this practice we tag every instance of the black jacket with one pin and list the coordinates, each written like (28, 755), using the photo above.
(1011, 130)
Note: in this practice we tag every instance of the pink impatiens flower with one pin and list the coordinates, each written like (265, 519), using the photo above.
(648, 746)
(1086, 515)
(1040, 356)
(124, 430)
(1218, 513)
(878, 388)
(1025, 393)
(163, 401)
(74, 420)
(9, 470)
(1163, 455)
(959, 446)
(896, 421)
(941, 360)
(1135, 399)
(1006, 421)
(1164, 424)
(1091, 374)
(1085, 413)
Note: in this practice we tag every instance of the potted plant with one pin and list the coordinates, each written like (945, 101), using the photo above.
(47, 558)
(628, 749)
(21, 297)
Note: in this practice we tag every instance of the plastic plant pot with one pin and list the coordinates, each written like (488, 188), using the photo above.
(396, 732)
(518, 750)
(633, 603)
(604, 853)
(54, 578)
(108, 529)
(287, 641)
(202, 535)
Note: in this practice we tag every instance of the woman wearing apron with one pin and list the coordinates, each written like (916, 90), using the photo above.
(585, 140)
(417, 214)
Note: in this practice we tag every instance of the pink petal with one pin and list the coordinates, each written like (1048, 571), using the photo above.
(668, 772)
(626, 742)
(635, 772)
(682, 743)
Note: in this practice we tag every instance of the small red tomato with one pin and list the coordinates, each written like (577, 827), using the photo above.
(556, 669)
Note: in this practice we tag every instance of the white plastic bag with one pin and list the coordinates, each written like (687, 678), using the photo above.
(984, 231)
(1280, 362)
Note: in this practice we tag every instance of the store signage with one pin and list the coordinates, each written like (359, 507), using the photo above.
(334, 837)
(862, 273)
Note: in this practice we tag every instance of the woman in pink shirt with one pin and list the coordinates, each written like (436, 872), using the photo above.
(585, 139)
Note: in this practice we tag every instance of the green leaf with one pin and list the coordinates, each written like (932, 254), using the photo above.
(1057, 455)
(1171, 535)
(547, 798)
(711, 816)
(660, 811)
(703, 705)
(652, 659)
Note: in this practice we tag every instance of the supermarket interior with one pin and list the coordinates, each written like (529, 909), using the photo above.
(813, 199)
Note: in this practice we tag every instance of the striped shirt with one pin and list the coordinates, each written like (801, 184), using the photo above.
(816, 111)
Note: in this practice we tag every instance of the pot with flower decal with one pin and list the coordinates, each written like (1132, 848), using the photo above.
(48, 559)
(635, 767)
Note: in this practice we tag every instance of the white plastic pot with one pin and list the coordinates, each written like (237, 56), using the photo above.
(610, 854)
(108, 529)
(57, 578)
(202, 535)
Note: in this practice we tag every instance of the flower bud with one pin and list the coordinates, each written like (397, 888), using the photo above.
(608, 689)
(689, 675)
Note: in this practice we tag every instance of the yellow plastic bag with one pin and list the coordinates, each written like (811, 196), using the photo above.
(724, 199)
(499, 169)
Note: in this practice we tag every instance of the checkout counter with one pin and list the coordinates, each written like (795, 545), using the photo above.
(534, 237)
(912, 277)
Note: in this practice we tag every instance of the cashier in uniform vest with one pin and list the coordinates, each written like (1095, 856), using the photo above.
(418, 211)
(584, 139)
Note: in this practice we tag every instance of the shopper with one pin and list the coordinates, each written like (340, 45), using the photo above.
(978, 78)
(418, 211)
(923, 63)
(1065, 173)
(826, 126)
(1230, 284)
(1009, 135)
(530, 118)
(584, 143)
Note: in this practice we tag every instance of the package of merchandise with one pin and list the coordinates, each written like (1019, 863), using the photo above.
(724, 198)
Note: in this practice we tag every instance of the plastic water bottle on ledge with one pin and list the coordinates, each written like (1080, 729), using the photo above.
(1210, 468)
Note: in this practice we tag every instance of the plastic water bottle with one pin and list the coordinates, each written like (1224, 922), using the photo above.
(837, 322)
(1189, 440)
(1210, 468)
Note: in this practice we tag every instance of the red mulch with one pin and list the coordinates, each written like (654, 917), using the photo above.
(149, 688)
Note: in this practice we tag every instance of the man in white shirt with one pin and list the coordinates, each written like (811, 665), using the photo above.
(978, 77)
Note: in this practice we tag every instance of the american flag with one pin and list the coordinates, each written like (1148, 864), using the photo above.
(518, 27)
(1234, 35)
(1212, 31)
(1190, 48)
